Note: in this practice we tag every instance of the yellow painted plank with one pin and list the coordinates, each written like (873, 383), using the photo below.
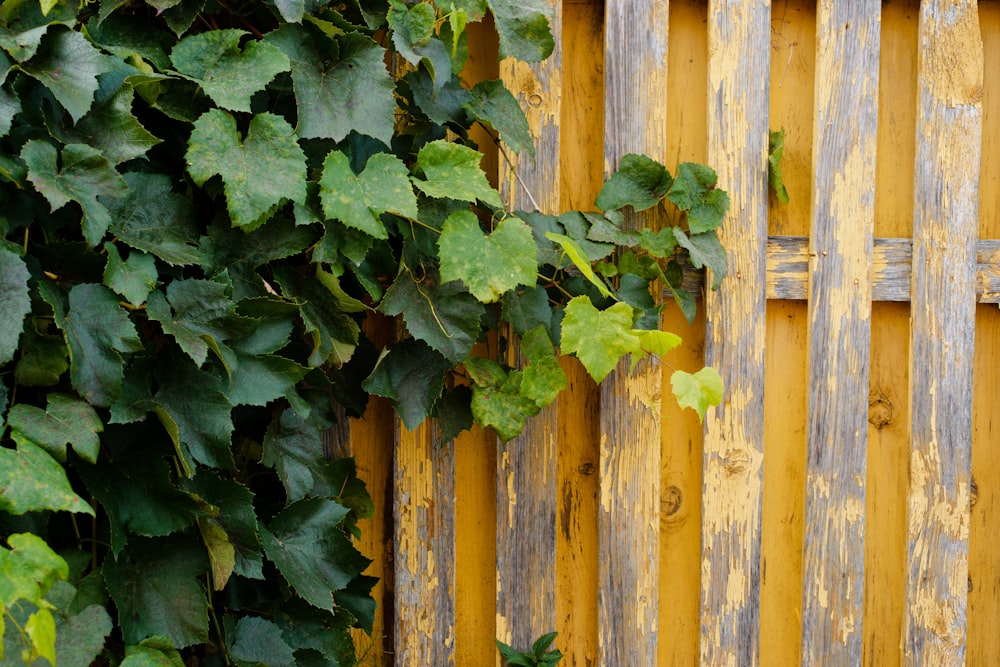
(945, 226)
(844, 144)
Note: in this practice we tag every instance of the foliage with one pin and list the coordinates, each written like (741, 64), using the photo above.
(203, 204)
(775, 150)
(538, 656)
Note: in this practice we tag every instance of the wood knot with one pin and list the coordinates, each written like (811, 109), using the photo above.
(586, 468)
(670, 504)
(879, 412)
(973, 493)
(736, 461)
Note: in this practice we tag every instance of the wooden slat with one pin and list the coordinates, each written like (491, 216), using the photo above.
(739, 47)
(629, 515)
(945, 227)
(843, 217)
(527, 490)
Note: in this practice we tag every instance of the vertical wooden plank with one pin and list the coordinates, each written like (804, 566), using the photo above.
(527, 466)
(738, 72)
(945, 231)
(629, 515)
(424, 507)
(847, 72)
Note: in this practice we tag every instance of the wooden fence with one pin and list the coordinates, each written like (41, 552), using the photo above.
(842, 505)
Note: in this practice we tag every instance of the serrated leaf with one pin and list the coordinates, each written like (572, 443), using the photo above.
(237, 517)
(705, 250)
(43, 360)
(28, 569)
(227, 74)
(775, 150)
(347, 74)
(358, 201)
(155, 586)
(599, 338)
(293, 447)
(493, 104)
(83, 176)
(334, 333)
(487, 265)
(639, 182)
(528, 309)
(259, 641)
(196, 415)
(523, 27)
(454, 412)
(114, 131)
(14, 296)
(580, 260)
(442, 104)
(694, 191)
(697, 391)
(80, 636)
(68, 66)
(308, 550)
(258, 172)
(152, 652)
(10, 106)
(453, 171)
(542, 379)
(66, 420)
(151, 217)
(445, 316)
(411, 375)
(34, 481)
(221, 553)
(258, 380)
(134, 278)
(98, 331)
(502, 406)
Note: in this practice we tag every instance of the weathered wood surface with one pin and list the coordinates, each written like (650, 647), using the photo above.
(424, 540)
(739, 48)
(839, 333)
(527, 466)
(635, 65)
(945, 228)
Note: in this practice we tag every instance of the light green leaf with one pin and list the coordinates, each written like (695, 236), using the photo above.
(114, 131)
(228, 75)
(358, 201)
(412, 27)
(41, 629)
(134, 278)
(151, 217)
(28, 569)
(501, 404)
(639, 182)
(697, 391)
(258, 172)
(656, 343)
(453, 171)
(221, 553)
(258, 641)
(775, 150)
(493, 104)
(153, 652)
(83, 176)
(487, 265)
(523, 26)
(35, 481)
(411, 375)
(16, 303)
(580, 260)
(66, 420)
(599, 338)
(694, 191)
(542, 378)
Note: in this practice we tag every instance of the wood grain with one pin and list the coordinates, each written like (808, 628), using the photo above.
(635, 67)
(839, 329)
(739, 48)
(945, 228)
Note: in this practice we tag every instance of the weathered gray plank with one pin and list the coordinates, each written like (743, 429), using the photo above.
(839, 328)
(945, 223)
(424, 537)
(635, 76)
(738, 70)
(527, 492)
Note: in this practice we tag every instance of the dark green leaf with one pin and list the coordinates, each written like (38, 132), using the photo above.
(43, 359)
(320, 639)
(705, 250)
(492, 103)
(487, 265)
(134, 278)
(411, 375)
(528, 309)
(34, 481)
(153, 218)
(453, 171)
(16, 303)
(66, 420)
(114, 131)
(334, 333)
(125, 35)
(80, 636)
(237, 518)
(775, 149)
(258, 380)
(359, 201)
(443, 104)
(454, 412)
(10, 106)
(258, 172)
(23, 24)
(523, 26)
(294, 449)
(634, 290)
(694, 191)
(640, 182)
(258, 641)
(68, 66)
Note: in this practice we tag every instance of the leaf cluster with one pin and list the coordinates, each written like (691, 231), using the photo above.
(539, 656)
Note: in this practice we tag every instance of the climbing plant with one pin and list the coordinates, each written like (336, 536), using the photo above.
(201, 204)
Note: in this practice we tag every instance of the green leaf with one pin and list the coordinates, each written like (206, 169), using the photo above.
(487, 265)
(152, 652)
(134, 278)
(80, 636)
(14, 296)
(10, 106)
(155, 586)
(35, 481)
(228, 75)
(445, 316)
(43, 359)
(599, 338)
(694, 191)
(543, 378)
(493, 104)
(258, 173)
(497, 398)
(411, 375)
(359, 201)
(29, 568)
(308, 550)
(775, 150)
(697, 391)
(66, 420)
(453, 171)
(68, 66)
(151, 217)
(523, 26)
(258, 380)
(237, 517)
(640, 182)
(98, 331)
(259, 641)
(705, 250)
(114, 131)
(41, 630)
(580, 260)
(454, 412)
(347, 74)
(83, 176)
(334, 333)
(294, 448)
(528, 309)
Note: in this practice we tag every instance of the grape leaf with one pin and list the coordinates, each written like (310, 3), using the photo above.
(14, 296)
(257, 641)
(155, 651)
(599, 338)
(705, 250)
(134, 278)
(258, 173)
(487, 265)
(414, 38)
(697, 391)
(80, 635)
(639, 182)
(258, 380)
(497, 402)
(775, 150)
(153, 218)
(10, 106)
(66, 420)
(236, 517)
(694, 191)
(68, 66)
(411, 375)
(220, 551)
(85, 175)
(34, 481)
(580, 260)
(493, 104)
(452, 171)
(228, 75)
(334, 333)
(43, 359)
(523, 26)
(359, 201)
(528, 309)
(114, 131)
(542, 378)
